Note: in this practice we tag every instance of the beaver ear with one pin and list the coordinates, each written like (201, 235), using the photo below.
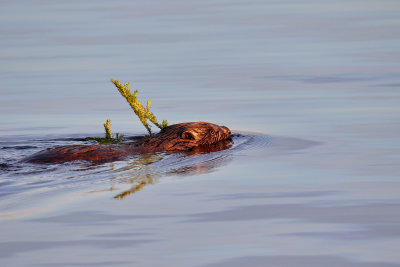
(187, 135)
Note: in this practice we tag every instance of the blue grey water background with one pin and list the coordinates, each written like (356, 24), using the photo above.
(317, 83)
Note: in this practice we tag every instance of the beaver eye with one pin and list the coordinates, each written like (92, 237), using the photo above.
(211, 131)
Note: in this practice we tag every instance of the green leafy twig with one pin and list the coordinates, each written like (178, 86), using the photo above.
(108, 139)
(107, 126)
(142, 112)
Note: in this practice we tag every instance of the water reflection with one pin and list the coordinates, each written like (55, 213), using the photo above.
(221, 145)
(203, 159)
(139, 184)
(144, 175)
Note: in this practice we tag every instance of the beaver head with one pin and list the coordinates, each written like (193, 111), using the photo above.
(186, 136)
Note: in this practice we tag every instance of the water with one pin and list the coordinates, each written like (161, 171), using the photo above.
(310, 88)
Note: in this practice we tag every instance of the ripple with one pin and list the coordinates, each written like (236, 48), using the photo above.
(18, 147)
(137, 170)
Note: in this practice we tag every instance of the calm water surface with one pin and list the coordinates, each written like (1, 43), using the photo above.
(311, 90)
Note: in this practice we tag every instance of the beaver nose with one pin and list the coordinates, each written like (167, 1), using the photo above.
(226, 131)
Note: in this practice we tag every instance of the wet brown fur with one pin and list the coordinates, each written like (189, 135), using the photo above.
(188, 136)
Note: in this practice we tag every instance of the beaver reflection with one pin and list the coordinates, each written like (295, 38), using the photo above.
(204, 149)
(195, 162)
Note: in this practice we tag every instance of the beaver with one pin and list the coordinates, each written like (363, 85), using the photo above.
(187, 136)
